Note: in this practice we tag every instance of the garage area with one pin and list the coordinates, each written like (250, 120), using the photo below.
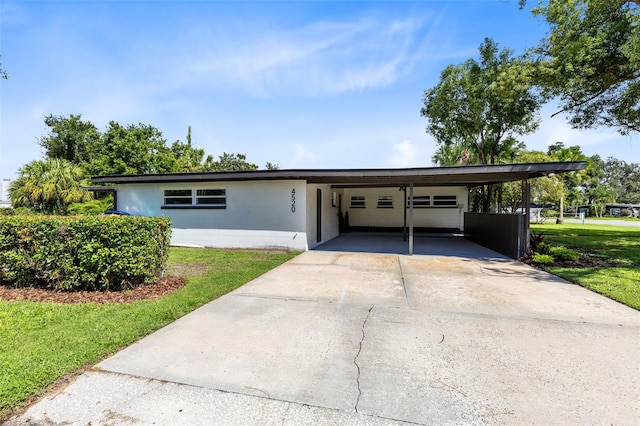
(421, 202)
(449, 244)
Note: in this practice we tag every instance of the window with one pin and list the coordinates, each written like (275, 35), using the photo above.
(178, 197)
(425, 201)
(199, 198)
(385, 202)
(211, 197)
(445, 200)
(357, 202)
(420, 201)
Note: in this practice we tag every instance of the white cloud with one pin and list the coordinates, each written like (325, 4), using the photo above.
(407, 154)
(316, 59)
(301, 155)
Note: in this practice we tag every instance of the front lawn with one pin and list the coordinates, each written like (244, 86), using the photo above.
(613, 253)
(43, 342)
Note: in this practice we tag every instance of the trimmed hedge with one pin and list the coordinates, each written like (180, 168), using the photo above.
(82, 253)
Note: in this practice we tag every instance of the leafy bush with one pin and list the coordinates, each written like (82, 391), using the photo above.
(82, 253)
(543, 259)
(535, 240)
(543, 248)
(549, 213)
(93, 207)
(563, 253)
(10, 211)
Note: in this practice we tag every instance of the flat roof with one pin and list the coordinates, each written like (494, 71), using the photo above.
(425, 176)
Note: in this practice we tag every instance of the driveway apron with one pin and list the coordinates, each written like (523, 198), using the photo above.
(353, 338)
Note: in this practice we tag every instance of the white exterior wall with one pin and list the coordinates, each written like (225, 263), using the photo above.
(4, 193)
(429, 217)
(258, 214)
(329, 215)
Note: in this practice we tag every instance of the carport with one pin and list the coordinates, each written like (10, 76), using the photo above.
(507, 234)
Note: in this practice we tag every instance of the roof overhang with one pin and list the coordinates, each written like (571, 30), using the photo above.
(429, 176)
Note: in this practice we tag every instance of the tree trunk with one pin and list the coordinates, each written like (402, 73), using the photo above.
(560, 219)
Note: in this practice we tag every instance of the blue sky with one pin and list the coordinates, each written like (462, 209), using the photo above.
(301, 84)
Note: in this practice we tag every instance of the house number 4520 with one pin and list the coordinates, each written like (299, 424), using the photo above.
(293, 200)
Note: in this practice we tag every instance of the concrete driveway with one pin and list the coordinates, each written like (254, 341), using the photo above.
(353, 338)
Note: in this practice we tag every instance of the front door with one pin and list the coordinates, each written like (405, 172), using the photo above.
(318, 215)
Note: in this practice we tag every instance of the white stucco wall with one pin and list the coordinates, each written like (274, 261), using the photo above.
(429, 217)
(329, 215)
(257, 214)
(268, 214)
(5, 201)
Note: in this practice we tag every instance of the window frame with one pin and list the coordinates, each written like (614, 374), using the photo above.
(360, 198)
(424, 201)
(445, 201)
(385, 202)
(434, 201)
(195, 197)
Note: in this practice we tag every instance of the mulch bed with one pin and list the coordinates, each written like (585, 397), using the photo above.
(163, 286)
(587, 260)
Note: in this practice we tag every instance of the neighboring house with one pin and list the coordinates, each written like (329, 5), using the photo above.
(622, 210)
(300, 209)
(5, 201)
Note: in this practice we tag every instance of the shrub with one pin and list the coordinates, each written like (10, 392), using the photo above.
(543, 248)
(563, 253)
(535, 240)
(93, 207)
(82, 253)
(543, 259)
(7, 211)
(549, 213)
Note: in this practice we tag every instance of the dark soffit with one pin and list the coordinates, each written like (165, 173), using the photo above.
(429, 176)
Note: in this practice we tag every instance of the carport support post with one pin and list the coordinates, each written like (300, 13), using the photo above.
(411, 219)
(404, 223)
(526, 218)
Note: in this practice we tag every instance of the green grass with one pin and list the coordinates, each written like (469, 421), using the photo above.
(613, 245)
(605, 218)
(43, 342)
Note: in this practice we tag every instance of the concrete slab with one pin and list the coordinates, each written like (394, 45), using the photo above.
(342, 278)
(506, 288)
(93, 400)
(447, 245)
(339, 338)
(281, 349)
(446, 368)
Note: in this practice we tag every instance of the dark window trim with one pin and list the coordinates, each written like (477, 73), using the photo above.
(192, 207)
(195, 198)
(357, 206)
(424, 201)
(387, 202)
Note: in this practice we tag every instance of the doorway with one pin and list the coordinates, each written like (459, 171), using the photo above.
(318, 215)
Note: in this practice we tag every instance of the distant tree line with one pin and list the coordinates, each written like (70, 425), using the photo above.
(75, 150)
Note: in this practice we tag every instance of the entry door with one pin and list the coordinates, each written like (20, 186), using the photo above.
(318, 215)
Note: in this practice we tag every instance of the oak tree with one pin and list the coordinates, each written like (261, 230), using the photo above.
(590, 60)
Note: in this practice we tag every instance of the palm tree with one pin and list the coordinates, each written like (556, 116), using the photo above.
(49, 186)
(600, 196)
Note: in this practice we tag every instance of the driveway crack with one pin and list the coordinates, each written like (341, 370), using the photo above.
(404, 284)
(355, 359)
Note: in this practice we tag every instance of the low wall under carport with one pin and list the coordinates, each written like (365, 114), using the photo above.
(499, 232)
